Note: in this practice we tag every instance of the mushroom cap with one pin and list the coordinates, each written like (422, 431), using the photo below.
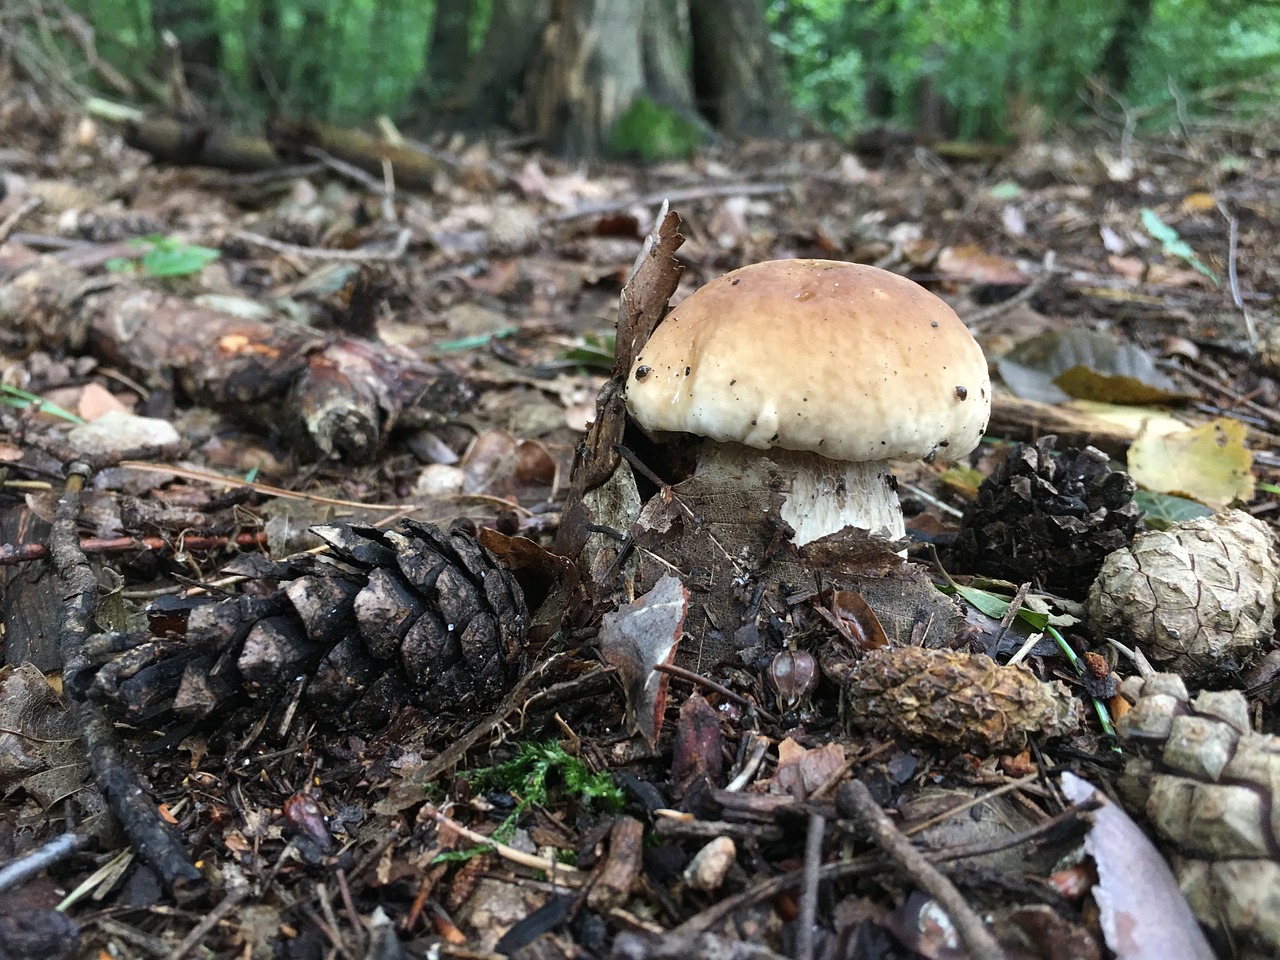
(841, 359)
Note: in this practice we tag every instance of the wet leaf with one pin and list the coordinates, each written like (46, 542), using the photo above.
(1057, 365)
(39, 743)
(1209, 463)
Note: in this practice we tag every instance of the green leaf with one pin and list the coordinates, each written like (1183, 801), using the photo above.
(168, 258)
(1174, 245)
(1005, 190)
(592, 350)
(11, 396)
(996, 606)
(471, 343)
(1165, 509)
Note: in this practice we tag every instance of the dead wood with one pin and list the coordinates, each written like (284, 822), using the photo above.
(157, 844)
(186, 143)
(333, 396)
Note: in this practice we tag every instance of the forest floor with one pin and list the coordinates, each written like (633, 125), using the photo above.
(241, 356)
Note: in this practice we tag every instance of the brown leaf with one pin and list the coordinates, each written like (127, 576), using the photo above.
(641, 635)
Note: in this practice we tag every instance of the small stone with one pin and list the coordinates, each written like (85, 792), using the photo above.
(117, 431)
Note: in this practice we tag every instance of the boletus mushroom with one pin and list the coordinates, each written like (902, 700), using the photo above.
(830, 370)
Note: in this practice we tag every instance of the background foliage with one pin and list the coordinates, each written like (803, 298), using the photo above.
(963, 68)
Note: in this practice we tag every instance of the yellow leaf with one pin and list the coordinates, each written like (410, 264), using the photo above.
(1198, 202)
(1209, 463)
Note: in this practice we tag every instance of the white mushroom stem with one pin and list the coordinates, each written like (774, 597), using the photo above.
(825, 496)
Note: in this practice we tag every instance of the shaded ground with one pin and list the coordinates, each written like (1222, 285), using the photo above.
(494, 296)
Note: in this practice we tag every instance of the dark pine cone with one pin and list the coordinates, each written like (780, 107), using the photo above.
(408, 615)
(1047, 520)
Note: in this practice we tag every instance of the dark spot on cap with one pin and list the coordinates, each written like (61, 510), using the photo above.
(962, 393)
(774, 438)
(753, 423)
(933, 323)
(686, 371)
(735, 281)
(733, 381)
(642, 372)
(944, 443)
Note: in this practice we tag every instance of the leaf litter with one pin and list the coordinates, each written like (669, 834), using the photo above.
(443, 362)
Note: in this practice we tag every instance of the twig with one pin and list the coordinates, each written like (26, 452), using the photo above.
(1270, 416)
(11, 221)
(979, 942)
(208, 922)
(29, 864)
(15, 553)
(131, 804)
(698, 680)
(759, 748)
(979, 318)
(672, 196)
(809, 892)
(324, 253)
(1233, 278)
(558, 871)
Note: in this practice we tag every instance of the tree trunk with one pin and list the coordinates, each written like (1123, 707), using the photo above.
(588, 72)
(486, 95)
(1117, 59)
(450, 34)
(736, 74)
(595, 58)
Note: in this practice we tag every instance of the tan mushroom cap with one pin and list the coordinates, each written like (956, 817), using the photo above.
(841, 359)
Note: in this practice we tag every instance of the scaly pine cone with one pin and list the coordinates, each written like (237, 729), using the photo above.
(1199, 598)
(1211, 788)
(1047, 520)
(953, 698)
(412, 614)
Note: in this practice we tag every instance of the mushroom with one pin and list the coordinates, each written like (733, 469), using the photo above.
(832, 369)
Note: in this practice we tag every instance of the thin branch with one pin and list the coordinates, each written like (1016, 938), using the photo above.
(977, 939)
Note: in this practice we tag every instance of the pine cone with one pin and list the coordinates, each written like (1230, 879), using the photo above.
(1047, 520)
(953, 698)
(1199, 598)
(413, 614)
(1210, 786)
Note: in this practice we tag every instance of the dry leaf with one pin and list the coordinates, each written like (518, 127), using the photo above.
(1144, 914)
(1209, 463)
(641, 635)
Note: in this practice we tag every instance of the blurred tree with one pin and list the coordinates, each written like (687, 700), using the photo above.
(450, 36)
(594, 58)
(1121, 52)
(487, 92)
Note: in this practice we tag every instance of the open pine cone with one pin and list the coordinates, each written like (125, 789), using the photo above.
(1047, 519)
(407, 615)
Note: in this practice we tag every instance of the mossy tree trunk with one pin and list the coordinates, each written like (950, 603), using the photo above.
(494, 78)
(593, 59)
(736, 73)
(448, 56)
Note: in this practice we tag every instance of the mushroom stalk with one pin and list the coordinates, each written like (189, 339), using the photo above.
(823, 496)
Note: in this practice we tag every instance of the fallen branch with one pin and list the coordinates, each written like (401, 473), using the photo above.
(153, 839)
